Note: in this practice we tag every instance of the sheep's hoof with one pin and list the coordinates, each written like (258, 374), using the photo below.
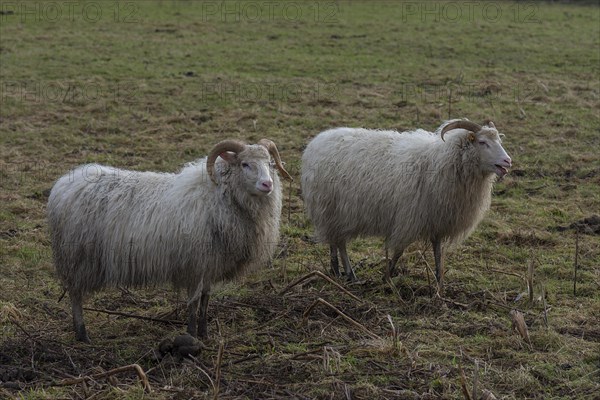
(202, 332)
(391, 277)
(84, 338)
(351, 277)
(81, 334)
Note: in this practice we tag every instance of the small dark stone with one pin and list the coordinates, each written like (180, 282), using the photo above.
(185, 351)
(28, 375)
(185, 345)
(588, 226)
(184, 340)
(165, 347)
(179, 347)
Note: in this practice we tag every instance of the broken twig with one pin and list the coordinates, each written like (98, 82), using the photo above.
(487, 395)
(530, 280)
(321, 275)
(340, 313)
(543, 290)
(463, 383)
(475, 379)
(135, 367)
(507, 273)
(218, 370)
(456, 303)
(575, 266)
(428, 269)
(518, 323)
(198, 365)
(128, 315)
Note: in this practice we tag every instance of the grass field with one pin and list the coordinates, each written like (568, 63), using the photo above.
(151, 85)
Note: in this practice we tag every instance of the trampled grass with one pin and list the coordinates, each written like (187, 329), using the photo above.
(154, 84)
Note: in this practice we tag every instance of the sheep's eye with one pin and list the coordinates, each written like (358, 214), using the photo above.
(245, 165)
(481, 142)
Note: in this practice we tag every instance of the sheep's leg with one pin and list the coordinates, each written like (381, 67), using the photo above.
(192, 327)
(346, 262)
(438, 255)
(78, 323)
(391, 266)
(335, 265)
(202, 321)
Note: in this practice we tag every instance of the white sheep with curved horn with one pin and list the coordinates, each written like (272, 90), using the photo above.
(114, 227)
(404, 187)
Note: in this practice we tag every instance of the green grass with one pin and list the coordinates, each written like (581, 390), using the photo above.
(151, 85)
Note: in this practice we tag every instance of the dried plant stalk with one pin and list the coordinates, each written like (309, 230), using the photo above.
(487, 395)
(340, 313)
(530, 280)
(114, 371)
(518, 323)
(463, 384)
(218, 370)
(320, 275)
(475, 379)
(576, 263)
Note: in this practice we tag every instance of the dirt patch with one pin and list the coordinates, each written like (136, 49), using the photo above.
(520, 238)
(588, 226)
(10, 233)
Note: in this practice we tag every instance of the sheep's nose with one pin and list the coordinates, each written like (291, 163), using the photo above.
(508, 161)
(266, 186)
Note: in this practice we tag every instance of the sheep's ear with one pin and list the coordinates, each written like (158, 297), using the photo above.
(228, 156)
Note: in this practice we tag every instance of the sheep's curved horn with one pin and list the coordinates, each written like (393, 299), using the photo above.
(220, 148)
(272, 149)
(462, 124)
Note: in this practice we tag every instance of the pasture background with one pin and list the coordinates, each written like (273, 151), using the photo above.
(154, 84)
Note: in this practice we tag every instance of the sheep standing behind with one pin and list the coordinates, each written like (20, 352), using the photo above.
(114, 227)
(403, 186)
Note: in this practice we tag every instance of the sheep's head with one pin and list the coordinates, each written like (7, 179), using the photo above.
(251, 162)
(486, 139)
